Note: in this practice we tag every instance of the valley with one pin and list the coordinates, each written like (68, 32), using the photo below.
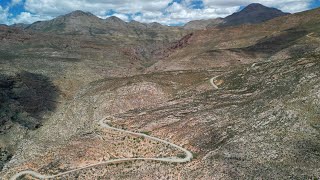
(89, 98)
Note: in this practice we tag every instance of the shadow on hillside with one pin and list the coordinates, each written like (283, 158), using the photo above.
(265, 47)
(25, 98)
(271, 45)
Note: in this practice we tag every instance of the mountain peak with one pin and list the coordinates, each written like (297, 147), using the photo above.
(78, 13)
(155, 25)
(136, 24)
(252, 14)
(255, 6)
(114, 19)
(77, 22)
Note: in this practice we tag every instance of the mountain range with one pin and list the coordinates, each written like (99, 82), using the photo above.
(79, 22)
(85, 23)
(241, 93)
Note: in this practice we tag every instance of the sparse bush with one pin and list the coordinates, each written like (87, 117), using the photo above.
(182, 156)
(146, 133)
(195, 155)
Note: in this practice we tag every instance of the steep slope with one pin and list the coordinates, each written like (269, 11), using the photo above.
(139, 40)
(137, 25)
(77, 22)
(84, 23)
(252, 14)
(62, 56)
(257, 118)
(115, 22)
(220, 47)
(203, 24)
(262, 122)
(20, 25)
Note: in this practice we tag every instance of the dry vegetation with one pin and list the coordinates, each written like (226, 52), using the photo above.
(262, 122)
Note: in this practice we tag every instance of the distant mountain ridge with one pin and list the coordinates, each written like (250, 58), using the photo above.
(244, 99)
(252, 14)
(156, 35)
(203, 24)
(79, 22)
(20, 25)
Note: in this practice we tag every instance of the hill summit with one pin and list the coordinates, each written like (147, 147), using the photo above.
(252, 14)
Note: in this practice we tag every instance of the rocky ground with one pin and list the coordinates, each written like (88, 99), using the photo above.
(263, 121)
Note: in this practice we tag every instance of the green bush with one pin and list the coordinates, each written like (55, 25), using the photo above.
(182, 156)
(146, 133)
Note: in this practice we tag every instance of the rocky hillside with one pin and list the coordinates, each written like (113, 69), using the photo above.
(138, 40)
(243, 99)
(85, 23)
(282, 37)
(77, 22)
(45, 65)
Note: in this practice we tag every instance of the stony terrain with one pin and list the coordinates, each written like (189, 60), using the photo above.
(263, 121)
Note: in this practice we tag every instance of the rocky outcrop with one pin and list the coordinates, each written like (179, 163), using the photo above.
(166, 51)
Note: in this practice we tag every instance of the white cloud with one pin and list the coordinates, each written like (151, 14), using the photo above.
(179, 11)
(28, 18)
(182, 13)
(4, 14)
(285, 5)
(124, 17)
(141, 10)
(99, 7)
(294, 6)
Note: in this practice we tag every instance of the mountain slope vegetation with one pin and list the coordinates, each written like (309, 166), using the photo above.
(261, 120)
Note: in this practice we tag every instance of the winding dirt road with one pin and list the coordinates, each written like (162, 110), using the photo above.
(102, 123)
(212, 82)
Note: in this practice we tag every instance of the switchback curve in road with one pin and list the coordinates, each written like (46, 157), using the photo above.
(187, 158)
(212, 82)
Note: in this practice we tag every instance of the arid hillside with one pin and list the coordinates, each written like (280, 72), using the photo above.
(244, 100)
(279, 38)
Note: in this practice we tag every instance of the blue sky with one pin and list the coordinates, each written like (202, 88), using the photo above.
(170, 12)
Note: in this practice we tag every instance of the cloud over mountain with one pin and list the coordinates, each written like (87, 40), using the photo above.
(170, 12)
